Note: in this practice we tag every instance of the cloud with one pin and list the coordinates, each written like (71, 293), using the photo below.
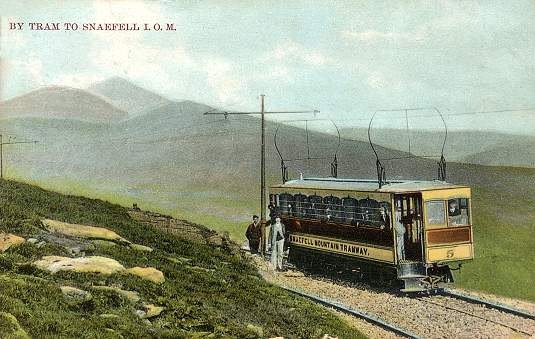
(30, 69)
(373, 36)
(293, 52)
(79, 80)
(222, 77)
(126, 11)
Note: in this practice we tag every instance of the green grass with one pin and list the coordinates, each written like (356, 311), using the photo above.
(220, 216)
(504, 225)
(504, 221)
(216, 293)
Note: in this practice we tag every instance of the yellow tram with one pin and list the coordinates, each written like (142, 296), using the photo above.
(413, 231)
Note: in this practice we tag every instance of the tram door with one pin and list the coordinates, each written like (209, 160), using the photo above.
(409, 218)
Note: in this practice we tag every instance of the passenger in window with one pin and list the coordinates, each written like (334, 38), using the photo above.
(456, 215)
(453, 208)
(385, 218)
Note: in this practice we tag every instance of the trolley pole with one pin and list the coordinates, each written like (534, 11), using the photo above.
(263, 219)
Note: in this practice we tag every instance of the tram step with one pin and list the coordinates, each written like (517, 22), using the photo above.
(411, 276)
(413, 289)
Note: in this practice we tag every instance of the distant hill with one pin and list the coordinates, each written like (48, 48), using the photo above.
(128, 96)
(61, 102)
(177, 160)
(515, 154)
(476, 147)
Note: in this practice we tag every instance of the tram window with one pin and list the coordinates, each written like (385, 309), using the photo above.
(301, 205)
(317, 208)
(435, 212)
(350, 206)
(285, 203)
(333, 208)
(384, 216)
(458, 211)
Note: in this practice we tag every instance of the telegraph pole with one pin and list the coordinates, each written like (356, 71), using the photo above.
(2, 152)
(262, 159)
(263, 174)
(1, 158)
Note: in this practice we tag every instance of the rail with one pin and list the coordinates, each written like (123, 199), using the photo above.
(351, 311)
(495, 305)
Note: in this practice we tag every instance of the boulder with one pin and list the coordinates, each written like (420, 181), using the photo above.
(152, 311)
(113, 333)
(215, 240)
(255, 330)
(103, 243)
(91, 264)
(140, 313)
(141, 248)
(75, 294)
(82, 231)
(10, 327)
(147, 273)
(8, 240)
(132, 296)
(109, 316)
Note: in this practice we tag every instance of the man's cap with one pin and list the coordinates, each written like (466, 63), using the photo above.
(255, 216)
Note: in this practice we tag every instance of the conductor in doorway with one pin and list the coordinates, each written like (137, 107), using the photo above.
(400, 235)
(277, 243)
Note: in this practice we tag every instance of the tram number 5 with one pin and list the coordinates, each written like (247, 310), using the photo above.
(450, 253)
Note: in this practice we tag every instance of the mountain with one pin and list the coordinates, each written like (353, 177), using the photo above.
(476, 147)
(179, 161)
(128, 96)
(61, 102)
(514, 154)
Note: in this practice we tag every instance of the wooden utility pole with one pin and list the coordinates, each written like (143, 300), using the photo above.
(2, 152)
(262, 160)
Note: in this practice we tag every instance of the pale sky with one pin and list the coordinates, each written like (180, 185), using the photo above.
(345, 58)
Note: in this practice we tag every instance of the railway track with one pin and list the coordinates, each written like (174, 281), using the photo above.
(487, 303)
(445, 314)
(360, 314)
(448, 300)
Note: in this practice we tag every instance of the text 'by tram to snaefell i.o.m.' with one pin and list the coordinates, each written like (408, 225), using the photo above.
(91, 26)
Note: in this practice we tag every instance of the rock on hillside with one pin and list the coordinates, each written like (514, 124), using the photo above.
(127, 96)
(61, 102)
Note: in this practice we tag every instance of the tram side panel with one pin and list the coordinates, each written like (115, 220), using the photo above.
(355, 225)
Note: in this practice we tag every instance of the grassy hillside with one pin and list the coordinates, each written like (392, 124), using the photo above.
(208, 292)
(504, 223)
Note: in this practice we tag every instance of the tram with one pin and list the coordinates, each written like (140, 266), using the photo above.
(415, 232)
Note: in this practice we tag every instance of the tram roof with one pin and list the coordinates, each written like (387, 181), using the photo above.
(392, 186)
